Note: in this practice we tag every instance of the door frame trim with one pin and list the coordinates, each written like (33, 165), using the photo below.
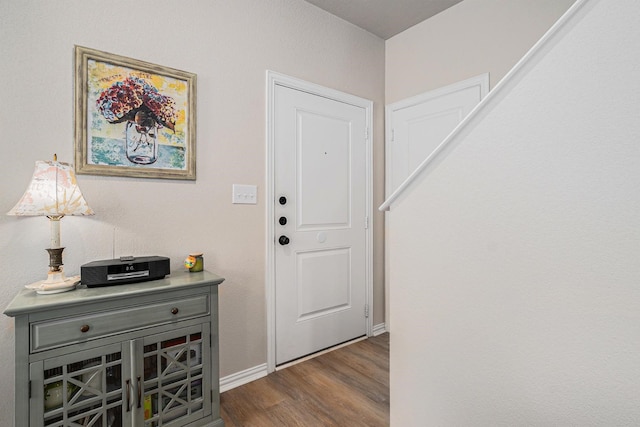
(276, 79)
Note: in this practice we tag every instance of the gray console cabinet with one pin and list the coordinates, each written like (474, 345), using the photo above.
(143, 354)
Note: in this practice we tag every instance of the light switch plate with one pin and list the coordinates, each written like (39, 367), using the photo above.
(244, 194)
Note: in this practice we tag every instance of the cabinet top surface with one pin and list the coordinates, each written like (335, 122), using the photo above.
(28, 301)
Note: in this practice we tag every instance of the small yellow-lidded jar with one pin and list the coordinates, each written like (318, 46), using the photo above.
(194, 262)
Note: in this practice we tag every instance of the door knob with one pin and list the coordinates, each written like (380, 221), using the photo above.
(282, 200)
(282, 220)
(284, 240)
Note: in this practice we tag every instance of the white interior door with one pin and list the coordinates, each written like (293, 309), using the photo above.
(320, 215)
(416, 126)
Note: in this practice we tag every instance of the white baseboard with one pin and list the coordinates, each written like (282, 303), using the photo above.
(243, 377)
(379, 329)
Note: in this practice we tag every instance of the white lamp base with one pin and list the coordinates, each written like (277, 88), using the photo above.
(56, 283)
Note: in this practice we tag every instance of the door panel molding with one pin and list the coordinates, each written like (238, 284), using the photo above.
(310, 304)
(273, 80)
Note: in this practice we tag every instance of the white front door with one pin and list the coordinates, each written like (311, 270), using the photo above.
(320, 219)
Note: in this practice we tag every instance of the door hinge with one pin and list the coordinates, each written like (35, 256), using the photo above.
(29, 389)
(393, 135)
(366, 134)
(211, 396)
(366, 222)
(366, 310)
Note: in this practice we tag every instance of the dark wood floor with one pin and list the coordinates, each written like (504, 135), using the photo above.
(345, 387)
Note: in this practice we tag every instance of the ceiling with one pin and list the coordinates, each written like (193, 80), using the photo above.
(384, 18)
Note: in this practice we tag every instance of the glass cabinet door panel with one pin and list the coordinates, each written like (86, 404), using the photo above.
(84, 388)
(174, 375)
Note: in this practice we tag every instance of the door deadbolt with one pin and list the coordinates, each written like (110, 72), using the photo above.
(282, 220)
(284, 240)
(282, 200)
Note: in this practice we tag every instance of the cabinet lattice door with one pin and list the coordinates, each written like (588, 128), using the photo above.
(81, 389)
(175, 378)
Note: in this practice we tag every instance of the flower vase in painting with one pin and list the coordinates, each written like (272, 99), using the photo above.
(141, 143)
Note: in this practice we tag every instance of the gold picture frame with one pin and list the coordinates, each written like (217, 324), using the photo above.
(133, 118)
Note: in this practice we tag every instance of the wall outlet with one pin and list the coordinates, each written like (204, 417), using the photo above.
(244, 194)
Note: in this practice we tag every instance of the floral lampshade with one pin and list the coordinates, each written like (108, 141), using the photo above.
(53, 191)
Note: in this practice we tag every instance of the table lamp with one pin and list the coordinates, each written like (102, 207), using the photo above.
(54, 193)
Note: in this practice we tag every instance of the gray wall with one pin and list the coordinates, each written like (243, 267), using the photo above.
(468, 39)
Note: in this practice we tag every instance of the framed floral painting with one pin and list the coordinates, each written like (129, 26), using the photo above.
(133, 118)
